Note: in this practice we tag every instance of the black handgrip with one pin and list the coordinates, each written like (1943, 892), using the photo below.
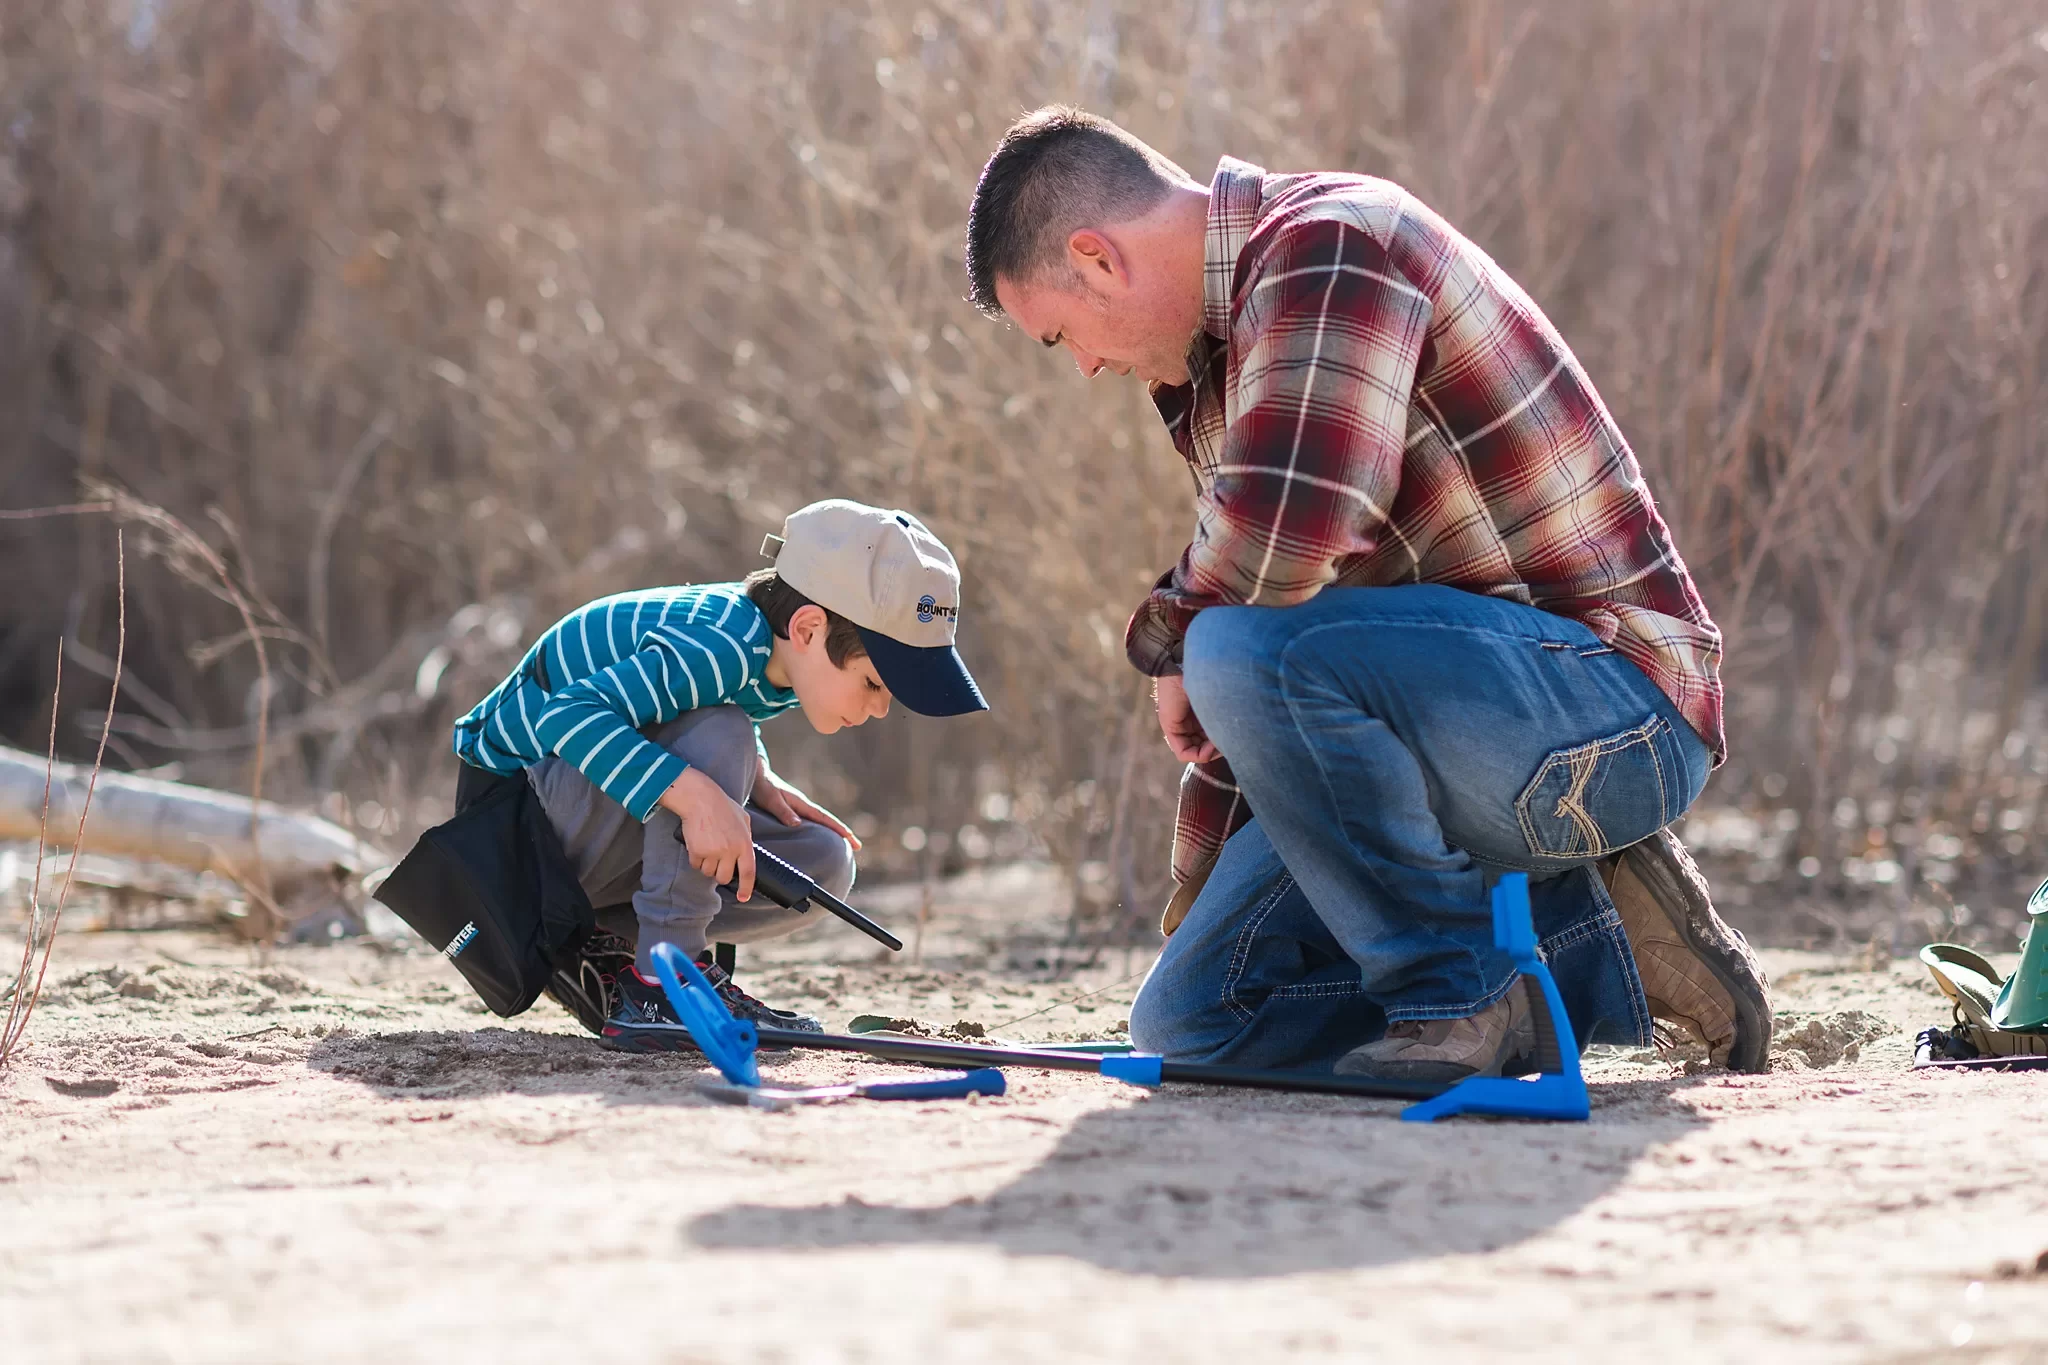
(780, 882)
(786, 886)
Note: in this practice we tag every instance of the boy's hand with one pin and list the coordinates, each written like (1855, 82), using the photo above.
(790, 806)
(1184, 733)
(717, 833)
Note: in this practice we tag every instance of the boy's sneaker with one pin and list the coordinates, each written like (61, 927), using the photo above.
(1697, 972)
(744, 1006)
(642, 1020)
(586, 992)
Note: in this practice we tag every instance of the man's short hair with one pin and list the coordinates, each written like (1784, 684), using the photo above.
(1056, 170)
(778, 602)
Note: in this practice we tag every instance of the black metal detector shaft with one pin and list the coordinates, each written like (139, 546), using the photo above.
(1048, 1059)
(792, 890)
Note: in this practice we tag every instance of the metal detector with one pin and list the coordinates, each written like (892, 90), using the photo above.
(1557, 1092)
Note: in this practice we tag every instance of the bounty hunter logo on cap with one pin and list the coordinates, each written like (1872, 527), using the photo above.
(889, 575)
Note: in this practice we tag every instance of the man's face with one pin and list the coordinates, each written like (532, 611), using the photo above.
(1108, 321)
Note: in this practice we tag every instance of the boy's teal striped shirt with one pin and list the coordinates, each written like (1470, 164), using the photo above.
(617, 664)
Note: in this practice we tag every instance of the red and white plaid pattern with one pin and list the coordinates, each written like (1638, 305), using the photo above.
(1375, 402)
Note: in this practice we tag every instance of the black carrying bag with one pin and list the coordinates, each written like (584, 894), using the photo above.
(493, 890)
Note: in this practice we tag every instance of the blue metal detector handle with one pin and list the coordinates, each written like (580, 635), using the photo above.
(728, 1042)
(986, 1081)
(1559, 1094)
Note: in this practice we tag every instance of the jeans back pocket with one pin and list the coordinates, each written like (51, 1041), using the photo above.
(1592, 799)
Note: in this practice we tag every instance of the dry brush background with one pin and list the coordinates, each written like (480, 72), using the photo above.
(433, 320)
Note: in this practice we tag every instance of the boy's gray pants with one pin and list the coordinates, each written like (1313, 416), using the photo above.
(619, 859)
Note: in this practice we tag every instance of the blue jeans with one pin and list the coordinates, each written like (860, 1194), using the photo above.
(1401, 748)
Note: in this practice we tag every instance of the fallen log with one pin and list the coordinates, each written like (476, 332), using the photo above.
(194, 827)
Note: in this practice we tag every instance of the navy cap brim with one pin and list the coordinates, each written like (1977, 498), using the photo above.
(931, 682)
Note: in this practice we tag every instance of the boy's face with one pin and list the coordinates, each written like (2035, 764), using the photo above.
(832, 697)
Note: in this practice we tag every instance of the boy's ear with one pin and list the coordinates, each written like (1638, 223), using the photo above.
(807, 625)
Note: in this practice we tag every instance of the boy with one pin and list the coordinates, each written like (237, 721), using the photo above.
(636, 721)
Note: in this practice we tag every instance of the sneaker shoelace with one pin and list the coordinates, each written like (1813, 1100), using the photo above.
(729, 991)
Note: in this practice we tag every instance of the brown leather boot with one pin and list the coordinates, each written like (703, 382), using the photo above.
(1500, 1037)
(1697, 972)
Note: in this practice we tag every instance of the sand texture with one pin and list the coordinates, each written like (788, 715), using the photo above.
(334, 1155)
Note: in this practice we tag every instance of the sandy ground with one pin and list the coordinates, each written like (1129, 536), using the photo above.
(333, 1154)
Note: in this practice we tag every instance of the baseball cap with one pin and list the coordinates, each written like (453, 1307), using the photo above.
(887, 573)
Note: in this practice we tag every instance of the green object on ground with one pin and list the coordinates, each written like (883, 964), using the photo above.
(2023, 1001)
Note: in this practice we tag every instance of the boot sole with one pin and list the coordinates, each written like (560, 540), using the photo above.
(1667, 870)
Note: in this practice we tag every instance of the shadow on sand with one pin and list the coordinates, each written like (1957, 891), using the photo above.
(1184, 1181)
(1206, 1183)
(447, 1063)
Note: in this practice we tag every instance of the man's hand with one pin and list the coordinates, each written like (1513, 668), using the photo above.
(790, 806)
(1184, 734)
(717, 833)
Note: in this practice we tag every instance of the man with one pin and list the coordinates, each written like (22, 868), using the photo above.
(1430, 626)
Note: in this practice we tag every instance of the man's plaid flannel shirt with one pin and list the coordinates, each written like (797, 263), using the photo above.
(1375, 402)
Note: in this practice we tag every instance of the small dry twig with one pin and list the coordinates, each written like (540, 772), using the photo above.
(21, 1005)
(76, 509)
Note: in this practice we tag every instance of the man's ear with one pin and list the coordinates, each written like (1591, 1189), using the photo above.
(807, 625)
(1096, 260)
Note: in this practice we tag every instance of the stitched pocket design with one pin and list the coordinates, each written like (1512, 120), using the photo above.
(1591, 799)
